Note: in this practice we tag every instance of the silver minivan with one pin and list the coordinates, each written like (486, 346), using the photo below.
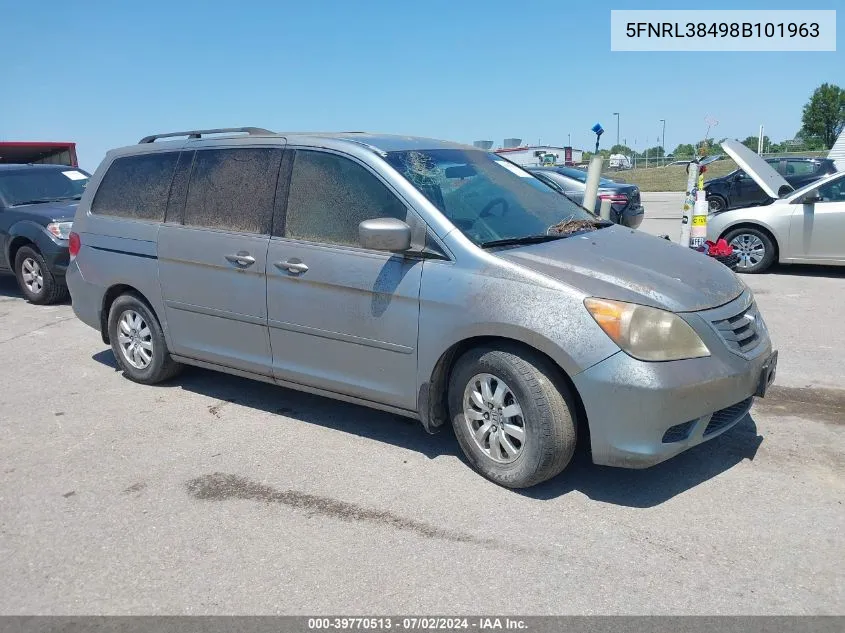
(434, 280)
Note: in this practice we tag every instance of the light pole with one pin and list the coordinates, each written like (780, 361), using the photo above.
(616, 114)
(569, 141)
(663, 139)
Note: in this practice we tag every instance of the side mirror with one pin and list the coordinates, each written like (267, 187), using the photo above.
(384, 234)
(811, 198)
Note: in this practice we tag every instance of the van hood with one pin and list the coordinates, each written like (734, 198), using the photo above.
(752, 164)
(628, 265)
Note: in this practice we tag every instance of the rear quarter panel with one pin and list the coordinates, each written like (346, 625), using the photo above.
(118, 251)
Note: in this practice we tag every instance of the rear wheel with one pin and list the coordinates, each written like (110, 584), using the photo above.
(138, 342)
(35, 280)
(755, 249)
(512, 415)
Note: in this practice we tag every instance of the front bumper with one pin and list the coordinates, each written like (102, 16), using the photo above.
(56, 255)
(642, 413)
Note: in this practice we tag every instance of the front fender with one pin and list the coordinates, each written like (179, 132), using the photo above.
(458, 304)
(719, 224)
(35, 233)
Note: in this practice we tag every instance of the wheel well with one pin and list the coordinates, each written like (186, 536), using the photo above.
(758, 227)
(434, 395)
(109, 298)
(16, 245)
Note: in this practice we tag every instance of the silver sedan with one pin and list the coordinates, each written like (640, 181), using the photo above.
(806, 226)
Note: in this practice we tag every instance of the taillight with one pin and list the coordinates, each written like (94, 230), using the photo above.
(73, 244)
(614, 198)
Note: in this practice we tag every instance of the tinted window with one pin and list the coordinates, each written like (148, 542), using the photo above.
(233, 189)
(330, 195)
(136, 187)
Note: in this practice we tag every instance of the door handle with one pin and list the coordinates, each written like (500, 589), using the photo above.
(242, 258)
(292, 266)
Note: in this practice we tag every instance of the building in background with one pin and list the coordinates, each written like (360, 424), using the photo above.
(535, 155)
(38, 152)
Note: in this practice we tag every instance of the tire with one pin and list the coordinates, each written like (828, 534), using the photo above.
(547, 421)
(755, 249)
(151, 362)
(716, 204)
(35, 280)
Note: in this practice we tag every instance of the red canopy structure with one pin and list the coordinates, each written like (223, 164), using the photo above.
(42, 152)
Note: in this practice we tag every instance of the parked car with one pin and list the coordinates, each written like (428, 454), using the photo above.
(37, 204)
(797, 226)
(738, 188)
(625, 206)
(421, 277)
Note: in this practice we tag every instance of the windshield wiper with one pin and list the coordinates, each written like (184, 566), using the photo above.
(529, 239)
(43, 200)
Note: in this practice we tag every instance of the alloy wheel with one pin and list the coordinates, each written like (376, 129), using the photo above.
(33, 278)
(494, 418)
(135, 339)
(749, 248)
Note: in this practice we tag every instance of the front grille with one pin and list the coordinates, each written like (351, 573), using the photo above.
(741, 332)
(678, 433)
(727, 416)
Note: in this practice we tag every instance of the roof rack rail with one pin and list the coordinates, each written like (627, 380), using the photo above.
(200, 133)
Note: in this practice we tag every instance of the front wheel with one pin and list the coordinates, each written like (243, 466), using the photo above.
(35, 280)
(512, 415)
(755, 249)
(716, 204)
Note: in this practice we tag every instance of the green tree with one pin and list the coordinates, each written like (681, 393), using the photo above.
(807, 142)
(684, 150)
(824, 114)
(653, 152)
(751, 142)
(622, 149)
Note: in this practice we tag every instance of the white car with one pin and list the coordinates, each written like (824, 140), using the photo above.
(806, 226)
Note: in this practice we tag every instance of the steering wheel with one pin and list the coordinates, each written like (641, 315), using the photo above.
(496, 201)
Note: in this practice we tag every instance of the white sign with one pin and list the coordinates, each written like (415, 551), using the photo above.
(75, 175)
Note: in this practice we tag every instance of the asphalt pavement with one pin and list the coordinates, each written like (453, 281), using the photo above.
(213, 494)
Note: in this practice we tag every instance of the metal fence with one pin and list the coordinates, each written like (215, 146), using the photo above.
(646, 162)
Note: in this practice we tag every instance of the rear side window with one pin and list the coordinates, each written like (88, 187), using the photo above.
(136, 187)
(330, 195)
(233, 189)
(800, 167)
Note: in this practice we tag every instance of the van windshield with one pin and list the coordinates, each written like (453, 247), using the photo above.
(486, 197)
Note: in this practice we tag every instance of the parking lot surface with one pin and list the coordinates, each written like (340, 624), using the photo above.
(214, 494)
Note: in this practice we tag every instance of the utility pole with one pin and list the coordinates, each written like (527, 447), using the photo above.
(616, 114)
(760, 141)
(663, 139)
(569, 140)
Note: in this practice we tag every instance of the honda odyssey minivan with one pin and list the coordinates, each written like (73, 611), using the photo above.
(427, 278)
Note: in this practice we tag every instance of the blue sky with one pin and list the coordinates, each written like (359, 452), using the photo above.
(104, 74)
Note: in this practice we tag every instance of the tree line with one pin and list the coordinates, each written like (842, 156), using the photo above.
(822, 121)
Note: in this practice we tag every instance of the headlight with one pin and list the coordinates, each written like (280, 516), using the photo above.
(646, 333)
(60, 229)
